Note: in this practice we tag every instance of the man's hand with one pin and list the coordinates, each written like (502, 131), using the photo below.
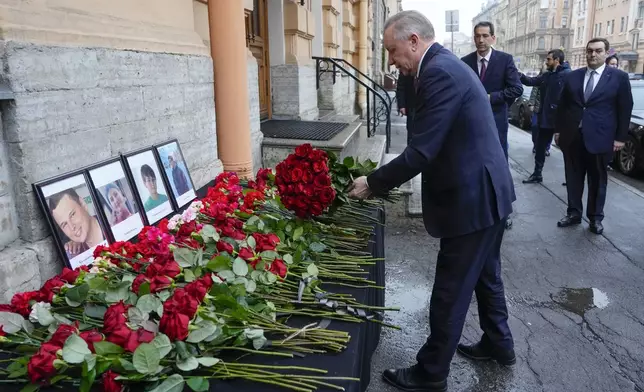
(617, 145)
(402, 111)
(359, 189)
(556, 138)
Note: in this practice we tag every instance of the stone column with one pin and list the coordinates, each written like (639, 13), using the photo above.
(363, 49)
(317, 44)
(227, 32)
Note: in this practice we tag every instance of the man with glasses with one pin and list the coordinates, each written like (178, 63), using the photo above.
(592, 123)
(550, 84)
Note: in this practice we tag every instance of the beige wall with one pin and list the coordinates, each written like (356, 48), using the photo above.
(147, 25)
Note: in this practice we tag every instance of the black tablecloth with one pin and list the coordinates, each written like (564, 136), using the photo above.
(355, 361)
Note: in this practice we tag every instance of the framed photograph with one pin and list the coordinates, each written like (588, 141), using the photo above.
(120, 207)
(176, 172)
(72, 212)
(149, 183)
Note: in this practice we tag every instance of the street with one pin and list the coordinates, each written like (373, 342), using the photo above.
(575, 298)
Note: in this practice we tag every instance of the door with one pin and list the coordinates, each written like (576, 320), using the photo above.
(257, 42)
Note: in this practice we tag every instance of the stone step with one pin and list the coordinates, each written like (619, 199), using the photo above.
(372, 148)
(405, 188)
(344, 118)
(413, 203)
(275, 150)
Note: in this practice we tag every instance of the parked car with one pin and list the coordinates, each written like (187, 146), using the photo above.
(521, 109)
(630, 159)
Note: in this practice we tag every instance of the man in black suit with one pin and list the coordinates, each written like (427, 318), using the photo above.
(499, 76)
(467, 194)
(405, 96)
(592, 123)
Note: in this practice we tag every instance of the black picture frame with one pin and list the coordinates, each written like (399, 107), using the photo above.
(183, 190)
(60, 186)
(112, 174)
(134, 162)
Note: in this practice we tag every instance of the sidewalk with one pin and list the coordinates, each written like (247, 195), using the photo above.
(575, 299)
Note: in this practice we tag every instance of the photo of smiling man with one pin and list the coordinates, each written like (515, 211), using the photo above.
(73, 212)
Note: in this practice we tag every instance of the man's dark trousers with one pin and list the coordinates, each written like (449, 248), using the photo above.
(544, 138)
(579, 163)
(466, 263)
(501, 120)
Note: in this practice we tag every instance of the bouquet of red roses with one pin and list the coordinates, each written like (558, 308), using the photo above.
(304, 183)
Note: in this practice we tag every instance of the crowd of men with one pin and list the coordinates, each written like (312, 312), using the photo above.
(558, 93)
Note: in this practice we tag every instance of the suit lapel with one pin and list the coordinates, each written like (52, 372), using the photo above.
(580, 83)
(603, 80)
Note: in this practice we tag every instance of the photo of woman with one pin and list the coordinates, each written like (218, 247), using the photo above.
(149, 185)
(118, 206)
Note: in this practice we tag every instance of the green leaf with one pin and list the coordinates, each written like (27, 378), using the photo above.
(208, 361)
(174, 383)
(136, 316)
(188, 364)
(97, 283)
(88, 376)
(105, 348)
(298, 233)
(30, 388)
(144, 288)
(78, 294)
(28, 326)
(206, 329)
(90, 360)
(11, 322)
(251, 242)
(269, 255)
(250, 285)
(255, 274)
(75, 349)
(95, 311)
(148, 303)
(228, 275)
(312, 269)
(209, 233)
(188, 275)
(198, 384)
(240, 267)
(288, 259)
(317, 247)
(146, 358)
(219, 263)
(349, 162)
(185, 257)
(259, 342)
(163, 344)
(43, 314)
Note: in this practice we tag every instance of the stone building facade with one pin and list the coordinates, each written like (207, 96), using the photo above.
(124, 75)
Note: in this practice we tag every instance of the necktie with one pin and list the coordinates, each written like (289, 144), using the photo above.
(589, 86)
(483, 69)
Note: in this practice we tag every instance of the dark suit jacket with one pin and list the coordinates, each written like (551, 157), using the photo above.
(606, 116)
(405, 92)
(501, 80)
(550, 85)
(466, 181)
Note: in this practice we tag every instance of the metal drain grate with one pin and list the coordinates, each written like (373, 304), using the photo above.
(301, 130)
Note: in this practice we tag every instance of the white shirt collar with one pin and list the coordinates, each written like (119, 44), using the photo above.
(487, 56)
(421, 60)
(598, 70)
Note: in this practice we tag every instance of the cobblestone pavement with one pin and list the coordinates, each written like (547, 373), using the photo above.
(575, 298)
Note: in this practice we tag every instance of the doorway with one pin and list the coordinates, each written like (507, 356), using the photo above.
(257, 42)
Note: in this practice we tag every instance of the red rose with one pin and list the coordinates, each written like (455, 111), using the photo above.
(278, 267)
(322, 180)
(246, 253)
(182, 302)
(199, 288)
(62, 333)
(91, 337)
(68, 275)
(327, 195)
(320, 166)
(120, 336)
(174, 325)
(307, 176)
(50, 288)
(20, 302)
(265, 241)
(296, 174)
(41, 367)
(6, 308)
(135, 338)
(159, 283)
(224, 246)
(109, 382)
(303, 150)
(171, 269)
(2, 332)
(138, 281)
(49, 347)
(163, 225)
(115, 317)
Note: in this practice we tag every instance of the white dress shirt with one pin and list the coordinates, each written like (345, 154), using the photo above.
(596, 78)
(487, 60)
(421, 60)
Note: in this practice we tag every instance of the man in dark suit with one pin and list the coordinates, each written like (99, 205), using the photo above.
(467, 194)
(592, 123)
(499, 76)
(549, 84)
(405, 96)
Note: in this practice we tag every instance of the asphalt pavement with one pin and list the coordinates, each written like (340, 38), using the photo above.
(576, 299)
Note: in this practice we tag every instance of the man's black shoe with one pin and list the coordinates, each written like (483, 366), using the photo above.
(548, 153)
(508, 224)
(414, 379)
(534, 179)
(568, 221)
(596, 227)
(478, 352)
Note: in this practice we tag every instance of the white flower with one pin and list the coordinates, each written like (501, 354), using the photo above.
(174, 222)
(33, 316)
(189, 215)
(196, 206)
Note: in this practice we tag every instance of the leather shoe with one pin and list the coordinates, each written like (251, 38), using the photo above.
(569, 220)
(414, 379)
(479, 352)
(596, 227)
(534, 179)
(508, 224)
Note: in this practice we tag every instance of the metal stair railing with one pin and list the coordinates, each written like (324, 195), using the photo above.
(379, 112)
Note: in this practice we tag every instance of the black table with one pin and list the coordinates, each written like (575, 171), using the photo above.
(354, 361)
